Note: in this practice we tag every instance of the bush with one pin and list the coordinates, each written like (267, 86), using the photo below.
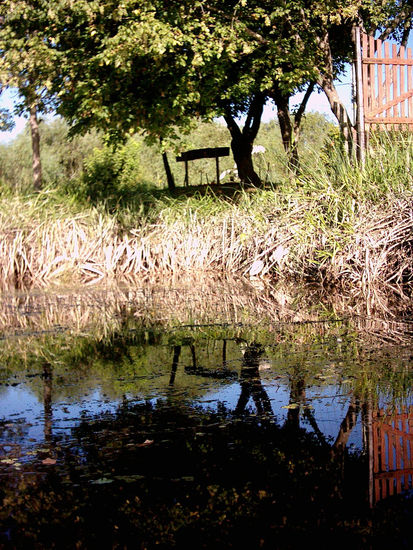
(110, 174)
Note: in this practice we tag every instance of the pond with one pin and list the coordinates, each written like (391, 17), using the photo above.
(213, 418)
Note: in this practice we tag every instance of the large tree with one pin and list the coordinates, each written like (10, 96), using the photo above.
(156, 66)
(301, 44)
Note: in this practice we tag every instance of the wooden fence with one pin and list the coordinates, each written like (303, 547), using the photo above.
(387, 85)
(392, 453)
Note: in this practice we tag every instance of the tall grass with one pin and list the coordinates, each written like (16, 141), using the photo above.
(335, 225)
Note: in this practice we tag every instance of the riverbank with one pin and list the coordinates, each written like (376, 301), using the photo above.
(367, 257)
(347, 233)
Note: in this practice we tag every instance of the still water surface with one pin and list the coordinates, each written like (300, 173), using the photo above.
(154, 423)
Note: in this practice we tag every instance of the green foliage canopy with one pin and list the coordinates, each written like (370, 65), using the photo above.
(123, 65)
(27, 62)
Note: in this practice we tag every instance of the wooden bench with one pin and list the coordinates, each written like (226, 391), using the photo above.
(206, 153)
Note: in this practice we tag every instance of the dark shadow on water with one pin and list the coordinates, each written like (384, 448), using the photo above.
(165, 471)
(167, 474)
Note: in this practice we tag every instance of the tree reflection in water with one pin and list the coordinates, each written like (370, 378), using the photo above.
(47, 376)
(167, 473)
(250, 381)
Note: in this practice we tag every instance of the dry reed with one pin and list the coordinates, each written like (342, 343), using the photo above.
(368, 257)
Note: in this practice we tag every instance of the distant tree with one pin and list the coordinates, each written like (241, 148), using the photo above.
(26, 63)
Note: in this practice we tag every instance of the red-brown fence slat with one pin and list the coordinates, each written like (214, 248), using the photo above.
(372, 48)
(406, 462)
(402, 80)
(410, 84)
(364, 83)
(387, 75)
(395, 80)
(377, 490)
(379, 70)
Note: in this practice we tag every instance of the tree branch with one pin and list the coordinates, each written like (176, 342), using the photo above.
(250, 32)
(300, 112)
(404, 15)
(406, 33)
(252, 124)
(230, 122)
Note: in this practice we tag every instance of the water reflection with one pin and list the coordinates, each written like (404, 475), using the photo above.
(250, 382)
(216, 435)
(391, 454)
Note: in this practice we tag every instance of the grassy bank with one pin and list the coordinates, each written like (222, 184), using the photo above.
(334, 226)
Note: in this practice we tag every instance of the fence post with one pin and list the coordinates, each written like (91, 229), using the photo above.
(360, 126)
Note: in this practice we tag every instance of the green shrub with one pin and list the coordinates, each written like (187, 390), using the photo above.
(110, 174)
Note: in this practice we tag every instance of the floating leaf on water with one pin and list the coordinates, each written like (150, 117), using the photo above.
(102, 481)
(49, 461)
(146, 443)
(291, 406)
(129, 479)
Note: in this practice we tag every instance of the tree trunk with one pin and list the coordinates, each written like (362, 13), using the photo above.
(243, 140)
(297, 397)
(338, 108)
(242, 153)
(251, 385)
(290, 127)
(298, 117)
(169, 176)
(287, 130)
(37, 165)
(175, 360)
(326, 83)
(47, 401)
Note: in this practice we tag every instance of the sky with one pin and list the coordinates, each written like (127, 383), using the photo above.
(7, 102)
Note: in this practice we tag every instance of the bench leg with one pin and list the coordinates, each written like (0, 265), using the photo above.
(186, 182)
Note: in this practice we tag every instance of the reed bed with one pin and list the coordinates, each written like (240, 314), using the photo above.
(348, 235)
